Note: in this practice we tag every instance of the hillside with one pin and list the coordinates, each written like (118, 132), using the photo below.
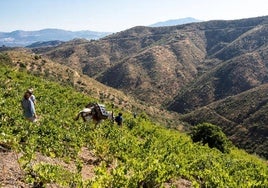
(24, 59)
(60, 152)
(156, 64)
(180, 68)
(52, 43)
(242, 117)
(141, 61)
(229, 74)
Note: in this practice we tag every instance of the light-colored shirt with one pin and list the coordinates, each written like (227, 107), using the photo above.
(32, 98)
(28, 108)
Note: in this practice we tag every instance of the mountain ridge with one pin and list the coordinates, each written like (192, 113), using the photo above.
(22, 38)
(174, 22)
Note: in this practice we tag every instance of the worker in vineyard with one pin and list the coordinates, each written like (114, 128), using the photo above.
(119, 119)
(28, 107)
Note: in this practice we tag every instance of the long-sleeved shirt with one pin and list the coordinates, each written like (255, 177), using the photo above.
(28, 108)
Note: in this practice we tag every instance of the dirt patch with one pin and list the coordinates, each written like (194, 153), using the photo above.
(11, 175)
(89, 162)
(180, 183)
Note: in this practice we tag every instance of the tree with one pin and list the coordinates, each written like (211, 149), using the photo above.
(212, 135)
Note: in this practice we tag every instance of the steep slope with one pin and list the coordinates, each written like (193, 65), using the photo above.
(24, 59)
(153, 75)
(57, 151)
(228, 78)
(220, 34)
(238, 65)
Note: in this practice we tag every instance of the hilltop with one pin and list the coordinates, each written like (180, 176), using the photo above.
(175, 22)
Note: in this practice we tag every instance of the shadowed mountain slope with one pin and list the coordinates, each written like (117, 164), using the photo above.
(242, 117)
(229, 78)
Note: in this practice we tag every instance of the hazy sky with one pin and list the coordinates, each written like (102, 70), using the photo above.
(118, 15)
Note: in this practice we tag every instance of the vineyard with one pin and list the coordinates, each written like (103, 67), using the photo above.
(139, 154)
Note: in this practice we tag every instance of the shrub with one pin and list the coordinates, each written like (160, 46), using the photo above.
(212, 135)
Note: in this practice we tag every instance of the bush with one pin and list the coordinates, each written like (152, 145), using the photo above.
(212, 135)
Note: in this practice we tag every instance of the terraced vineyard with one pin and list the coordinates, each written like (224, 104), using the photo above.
(139, 154)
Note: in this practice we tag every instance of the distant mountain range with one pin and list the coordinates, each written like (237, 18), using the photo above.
(175, 22)
(25, 38)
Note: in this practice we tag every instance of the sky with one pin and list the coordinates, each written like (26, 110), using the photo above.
(118, 15)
